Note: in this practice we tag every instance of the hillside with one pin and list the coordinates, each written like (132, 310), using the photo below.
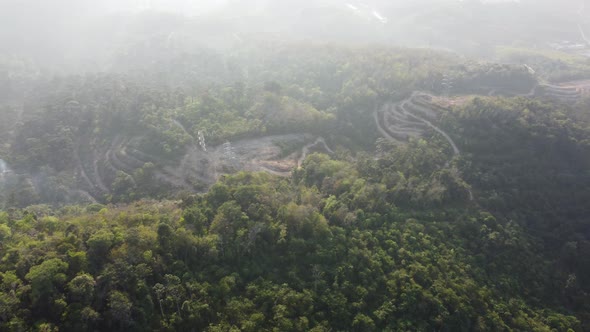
(295, 187)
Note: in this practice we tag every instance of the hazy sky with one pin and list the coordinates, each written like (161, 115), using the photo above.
(64, 30)
(23, 7)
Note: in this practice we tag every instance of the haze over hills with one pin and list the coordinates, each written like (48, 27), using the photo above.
(87, 34)
(257, 165)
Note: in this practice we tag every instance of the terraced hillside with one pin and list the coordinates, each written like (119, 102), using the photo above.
(570, 91)
(125, 163)
(410, 119)
(562, 93)
(101, 172)
(116, 139)
(121, 166)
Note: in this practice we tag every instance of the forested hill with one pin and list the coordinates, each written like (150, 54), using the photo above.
(159, 128)
(295, 188)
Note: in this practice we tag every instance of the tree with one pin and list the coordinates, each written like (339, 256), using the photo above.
(119, 311)
(81, 288)
(228, 220)
(47, 280)
(99, 245)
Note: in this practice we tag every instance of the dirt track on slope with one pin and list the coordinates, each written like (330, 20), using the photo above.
(406, 123)
(456, 150)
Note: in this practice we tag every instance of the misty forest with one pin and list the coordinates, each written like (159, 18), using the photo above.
(325, 165)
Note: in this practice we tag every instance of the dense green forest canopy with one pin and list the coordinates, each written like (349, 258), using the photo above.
(294, 187)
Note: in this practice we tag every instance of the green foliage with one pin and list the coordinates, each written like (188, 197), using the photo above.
(335, 247)
(404, 239)
(553, 66)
